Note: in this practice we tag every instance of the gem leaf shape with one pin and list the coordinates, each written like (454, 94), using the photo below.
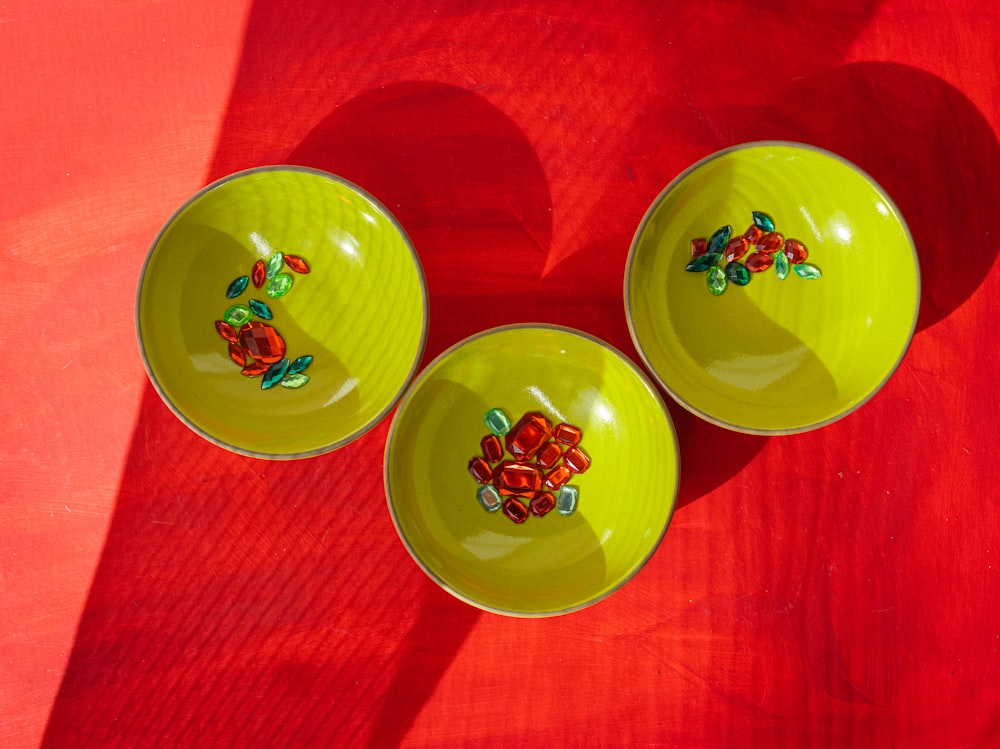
(237, 287)
(807, 271)
(762, 220)
(260, 309)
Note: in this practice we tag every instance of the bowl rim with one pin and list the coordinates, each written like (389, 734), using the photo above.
(650, 387)
(242, 174)
(661, 196)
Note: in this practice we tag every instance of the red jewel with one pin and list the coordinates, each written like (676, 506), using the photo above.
(262, 342)
(576, 460)
(770, 242)
(568, 434)
(296, 263)
(699, 247)
(737, 248)
(558, 476)
(528, 436)
(795, 251)
(541, 504)
(227, 331)
(548, 456)
(259, 274)
(480, 470)
(515, 510)
(255, 368)
(753, 234)
(518, 479)
(492, 448)
(759, 261)
(237, 354)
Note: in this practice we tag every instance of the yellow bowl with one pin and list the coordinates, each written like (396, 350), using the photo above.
(556, 563)
(358, 307)
(774, 356)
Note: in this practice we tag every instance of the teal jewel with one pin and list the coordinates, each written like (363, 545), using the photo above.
(238, 315)
(497, 421)
(737, 273)
(300, 364)
(716, 280)
(703, 262)
(567, 499)
(274, 374)
(489, 498)
(279, 285)
(261, 310)
(807, 271)
(718, 241)
(781, 265)
(293, 381)
(237, 287)
(762, 220)
(274, 264)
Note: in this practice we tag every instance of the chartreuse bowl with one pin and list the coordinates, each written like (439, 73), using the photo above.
(776, 355)
(555, 563)
(294, 263)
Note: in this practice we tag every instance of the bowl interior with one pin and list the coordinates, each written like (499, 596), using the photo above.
(775, 355)
(360, 311)
(555, 563)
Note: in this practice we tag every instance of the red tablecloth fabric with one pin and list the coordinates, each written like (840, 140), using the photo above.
(835, 589)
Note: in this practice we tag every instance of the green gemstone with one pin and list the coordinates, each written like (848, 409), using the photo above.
(718, 241)
(293, 381)
(762, 220)
(238, 315)
(781, 265)
(717, 280)
(274, 374)
(567, 499)
(274, 264)
(807, 271)
(260, 309)
(237, 287)
(279, 285)
(737, 273)
(300, 364)
(489, 498)
(703, 263)
(497, 421)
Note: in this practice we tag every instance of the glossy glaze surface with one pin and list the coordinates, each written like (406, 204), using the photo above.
(775, 355)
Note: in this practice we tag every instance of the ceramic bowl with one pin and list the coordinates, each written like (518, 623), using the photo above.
(281, 312)
(549, 564)
(779, 343)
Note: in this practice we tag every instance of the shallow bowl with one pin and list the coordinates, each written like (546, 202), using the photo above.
(776, 355)
(555, 563)
(297, 263)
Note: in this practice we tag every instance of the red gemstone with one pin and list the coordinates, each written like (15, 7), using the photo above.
(255, 368)
(296, 263)
(227, 331)
(548, 456)
(480, 470)
(515, 510)
(699, 247)
(770, 242)
(492, 448)
(576, 460)
(542, 503)
(737, 248)
(795, 251)
(753, 234)
(262, 342)
(237, 354)
(759, 261)
(558, 476)
(567, 434)
(528, 436)
(518, 479)
(259, 274)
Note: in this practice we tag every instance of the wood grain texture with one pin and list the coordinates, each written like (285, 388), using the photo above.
(833, 589)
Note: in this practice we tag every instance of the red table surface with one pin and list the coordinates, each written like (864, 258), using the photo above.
(839, 588)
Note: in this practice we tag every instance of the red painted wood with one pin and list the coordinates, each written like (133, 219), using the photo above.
(834, 589)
